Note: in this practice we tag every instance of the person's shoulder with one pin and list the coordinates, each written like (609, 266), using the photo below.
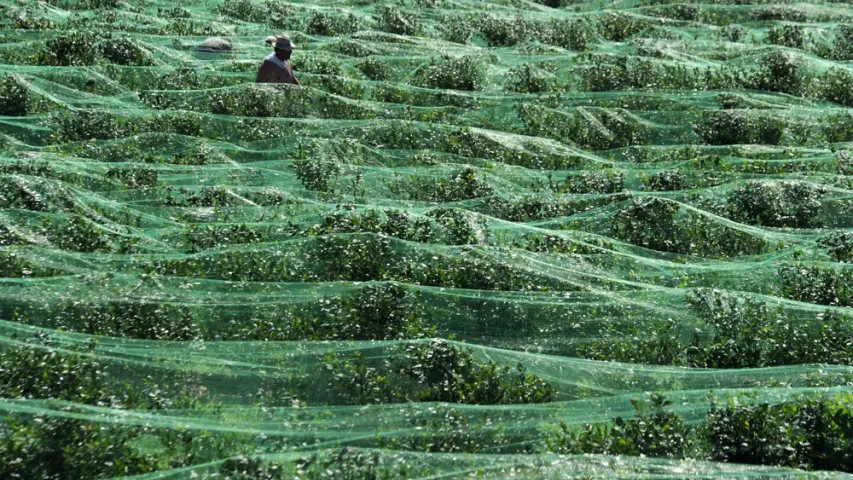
(265, 72)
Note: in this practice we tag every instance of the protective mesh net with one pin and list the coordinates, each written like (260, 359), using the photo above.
(531, 239)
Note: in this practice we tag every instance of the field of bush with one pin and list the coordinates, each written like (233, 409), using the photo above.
(483, 239)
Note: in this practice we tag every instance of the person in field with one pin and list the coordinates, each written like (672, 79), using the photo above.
(276, 67)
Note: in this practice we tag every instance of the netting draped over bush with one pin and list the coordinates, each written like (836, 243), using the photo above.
(545, 239)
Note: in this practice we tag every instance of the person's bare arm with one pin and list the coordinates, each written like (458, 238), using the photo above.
(292, 75)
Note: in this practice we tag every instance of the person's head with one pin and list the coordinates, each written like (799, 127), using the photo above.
(283, 47)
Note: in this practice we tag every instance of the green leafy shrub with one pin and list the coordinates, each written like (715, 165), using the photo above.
(817, 284)
(791, 204)
(569, 34)
(204, 197)
(174, 122)
(655, 432)
(349, 464)
(740, 326)
(450, 374)
(552, 243)
(594, 128)
(13, 265)
(352, 48)
(245, 10)
(839, 246)
(185, 77)
(10, 237)
(148, 321)
(375, 69)
(192, 157)
(732, 33)
(685, 12)
(87, 4)
(451, 226)
(318, 175)
(354, 258)
(475, 272)
(470, 143)
(602, 77)
(76, 234)
(175, 12)
(463, 73)
(16, 192)
(72, 49)
(331, 25)
(242, 468)
(836, 127)
(526, 78)
(31, 168)
(620, 26)
(76, 125)
(779, 71)
(58, 448)
(656, 344)
(125, 51)
(450, 429)
(669, 180)
(383, 312)
(463, 185)
(456, 29)
(254, 101)
(792, 36)
(660, 224)
(550, 3)
(196, 238)
(14, 97)
(390, 222)
(273, 13)
(318, 65)
(833, 86)
(338, 86)
(25, 18)
(647, 74)
(502, 32)
(134, 177)
(728, 127)
(392, 19)
(778, 12)
(843, 45)
(792, 434)
(789, 434)
(372, 312)
(31, 371)
(358, 258)
(744, 333)
(824, 340)
(437, 372)
(529, 207)
(460, 227)
(605, 181)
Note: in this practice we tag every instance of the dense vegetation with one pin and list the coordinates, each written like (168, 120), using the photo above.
(542, 239)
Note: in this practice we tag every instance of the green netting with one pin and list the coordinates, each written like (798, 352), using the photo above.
(507, 239)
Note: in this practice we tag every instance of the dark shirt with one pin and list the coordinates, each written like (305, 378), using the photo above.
(272, 73)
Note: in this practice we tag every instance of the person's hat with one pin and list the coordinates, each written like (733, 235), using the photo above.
(283, 43)
(270, 40)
